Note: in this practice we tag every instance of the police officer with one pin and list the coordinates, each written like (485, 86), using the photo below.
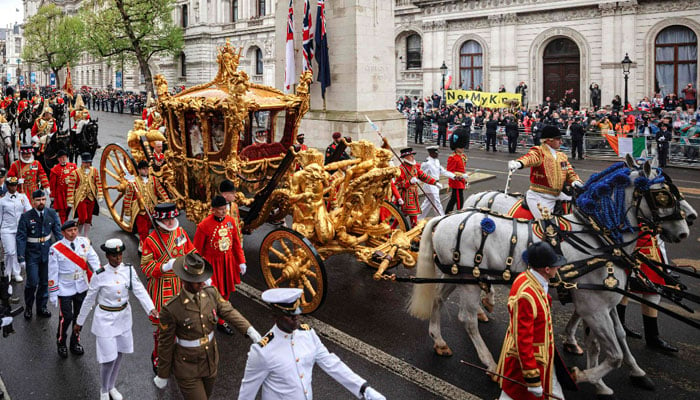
(187, 324)
(12, 205)
(33, 242)
(72, 261)
(282, 362)
(663, 138)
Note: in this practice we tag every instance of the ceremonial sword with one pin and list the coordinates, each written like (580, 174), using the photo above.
(510, 175)
(376, 129)
(508, 379)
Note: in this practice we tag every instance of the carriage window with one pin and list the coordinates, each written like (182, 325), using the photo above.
(193, 130)
(278, 125)
(216, 132)
(261, 124)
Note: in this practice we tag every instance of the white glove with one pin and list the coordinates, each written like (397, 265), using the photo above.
(400, 202)
(53, 300)
(514, 164)
(661, 139)
(371, 394)
(414, 180)
(253, 334)
(243, 268)
(208, 282)
(48, 191)
(23, 265)
(438, 185)
(20, 181)
(160, 383)
(169, 265)
(577, 184)
(9, 290)
(6, 321)
(536, 391)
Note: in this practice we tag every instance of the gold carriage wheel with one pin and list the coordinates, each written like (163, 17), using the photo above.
(115, 164)
(395, 216)
(288, 259)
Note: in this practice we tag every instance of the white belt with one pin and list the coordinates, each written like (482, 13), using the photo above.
(39, 240)
(72, 276)
(196, 342)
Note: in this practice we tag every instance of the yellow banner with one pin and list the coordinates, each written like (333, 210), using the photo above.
(484, 99)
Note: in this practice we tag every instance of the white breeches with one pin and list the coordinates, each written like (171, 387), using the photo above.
(10, 245)
(544, 200)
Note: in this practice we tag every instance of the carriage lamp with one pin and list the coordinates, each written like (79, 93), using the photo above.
(626, 64)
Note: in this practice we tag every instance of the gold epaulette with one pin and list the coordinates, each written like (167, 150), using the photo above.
(266, 339)
(304, 327)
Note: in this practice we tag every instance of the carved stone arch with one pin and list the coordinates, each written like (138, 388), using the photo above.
(406, 29)
(650, 48)
(248, 58)
(485, 57)
(536, 82)
(402, 33)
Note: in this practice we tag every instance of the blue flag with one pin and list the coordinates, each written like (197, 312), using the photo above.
(324, 67)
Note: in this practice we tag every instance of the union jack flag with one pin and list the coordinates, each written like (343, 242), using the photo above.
(308, 36)
(324, 67)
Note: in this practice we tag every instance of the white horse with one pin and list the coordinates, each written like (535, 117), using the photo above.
(595, 307)
(5, 143)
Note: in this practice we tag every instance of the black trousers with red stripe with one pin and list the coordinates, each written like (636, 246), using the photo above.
(70, 308)
(456, 199)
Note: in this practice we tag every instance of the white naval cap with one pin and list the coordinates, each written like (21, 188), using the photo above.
(113, 246)
(286, 299)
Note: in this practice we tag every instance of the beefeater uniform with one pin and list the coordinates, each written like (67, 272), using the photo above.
(550, 170)
(32, 173)
(152, 193)
(84, 190)
(162, 285)
(218, 242)
(58, 183)
(528, 353)
(409, 191)
(71, 265)
(188, 348)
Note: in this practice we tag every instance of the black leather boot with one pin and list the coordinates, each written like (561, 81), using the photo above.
(651, 332)
(621, 308)
(62, 349)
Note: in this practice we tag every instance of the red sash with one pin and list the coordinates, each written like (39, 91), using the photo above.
(70, 254)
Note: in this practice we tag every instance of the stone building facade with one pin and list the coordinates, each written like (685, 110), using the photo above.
(551, 45)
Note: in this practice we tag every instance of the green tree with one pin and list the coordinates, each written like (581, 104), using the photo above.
(137, 29)
(52, 39)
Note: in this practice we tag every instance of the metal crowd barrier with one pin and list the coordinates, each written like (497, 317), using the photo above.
(683, 152)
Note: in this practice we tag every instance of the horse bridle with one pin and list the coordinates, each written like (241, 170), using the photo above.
(665, 197)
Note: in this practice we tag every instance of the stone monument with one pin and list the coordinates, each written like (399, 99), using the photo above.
(362, 60)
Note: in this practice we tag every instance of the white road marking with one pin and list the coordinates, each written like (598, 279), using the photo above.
(374, 355)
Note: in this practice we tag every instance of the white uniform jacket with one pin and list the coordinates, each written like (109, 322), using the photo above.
(66, 278)
(283, 362)
(432, 167)
(110, 287)
(12, 206)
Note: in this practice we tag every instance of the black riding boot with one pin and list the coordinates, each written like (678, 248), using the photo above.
(621, 308)
(651, 332)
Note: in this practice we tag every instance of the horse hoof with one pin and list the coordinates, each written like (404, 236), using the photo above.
(573, 348)
(643, 382)
(482, 317)
(443, 351)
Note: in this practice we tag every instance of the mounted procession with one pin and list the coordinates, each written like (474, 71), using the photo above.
(234, 133)
(231, 143)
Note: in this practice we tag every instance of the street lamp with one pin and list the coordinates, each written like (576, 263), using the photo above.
(626, 64)
(443, 68)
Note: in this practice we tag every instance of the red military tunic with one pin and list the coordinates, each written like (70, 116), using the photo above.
(6, 102)
(58, 182)
(547, 173)
(159, 158)
(218, 243)
(39, 127)
(408, 190)
(85, 115)
(457, 164)
(528, 348)
(23, 104)
(648, 245)
(33, 175)
(162, 286)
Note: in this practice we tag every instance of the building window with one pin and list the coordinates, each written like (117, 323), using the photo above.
(258, 62)
(471, 65)
(234, 10)
(261, 8)
(183, 65)
(184, 16)
(413, 51)
(676, 59)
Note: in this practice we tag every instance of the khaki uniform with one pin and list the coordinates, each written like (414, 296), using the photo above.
(187, 347)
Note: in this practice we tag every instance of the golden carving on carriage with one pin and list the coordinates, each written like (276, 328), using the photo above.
(210, 134)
